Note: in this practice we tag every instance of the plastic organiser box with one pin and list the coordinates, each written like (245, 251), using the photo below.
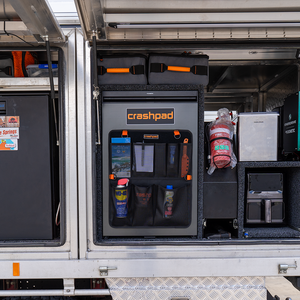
(258, 136)
(41, 70)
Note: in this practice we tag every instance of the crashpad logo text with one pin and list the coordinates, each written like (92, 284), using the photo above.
(151, 116)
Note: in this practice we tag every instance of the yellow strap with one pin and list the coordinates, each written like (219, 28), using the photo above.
(117, 70)
(179, 69)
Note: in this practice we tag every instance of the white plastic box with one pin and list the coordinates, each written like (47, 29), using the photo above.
(258, 136)
(41, 70)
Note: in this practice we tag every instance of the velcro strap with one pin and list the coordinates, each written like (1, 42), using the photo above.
(199, 70)
(134, 70)
(137, 70)
(221, 138)
(160, 68)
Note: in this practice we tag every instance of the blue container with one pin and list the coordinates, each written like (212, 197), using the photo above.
(121, 201)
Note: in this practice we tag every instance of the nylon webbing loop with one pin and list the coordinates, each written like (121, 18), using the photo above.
(134, 70)
(160, 68)
(221, 138)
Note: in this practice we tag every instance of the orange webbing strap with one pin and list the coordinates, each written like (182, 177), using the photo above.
(178, 69)
(196, 70)
(17, 57)
(134, 70)
(118, 70)
(21, 61)
(112, 176)
(124, 133)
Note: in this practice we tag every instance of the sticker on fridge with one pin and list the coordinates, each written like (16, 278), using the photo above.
(8, 144)
(2, 121)
(9, 133)
(12, 121)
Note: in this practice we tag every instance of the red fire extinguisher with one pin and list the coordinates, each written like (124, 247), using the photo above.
(220, 145)
(219, 137)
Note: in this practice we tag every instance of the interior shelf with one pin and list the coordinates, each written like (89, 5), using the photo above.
(27, 83)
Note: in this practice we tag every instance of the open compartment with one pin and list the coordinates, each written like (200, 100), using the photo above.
(32, 150)
(283, 219)
(221, 207)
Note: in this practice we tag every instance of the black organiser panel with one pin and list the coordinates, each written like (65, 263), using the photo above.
(151, 160)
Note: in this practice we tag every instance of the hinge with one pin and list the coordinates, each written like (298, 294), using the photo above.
(69, 287)
(282, 268)
(235, 224)
(104, 270)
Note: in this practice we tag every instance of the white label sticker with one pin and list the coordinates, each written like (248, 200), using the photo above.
(9, 133)
(13, 145)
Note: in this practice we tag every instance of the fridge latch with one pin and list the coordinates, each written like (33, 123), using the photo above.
(104, 270)
(282, 268)
(2, 107)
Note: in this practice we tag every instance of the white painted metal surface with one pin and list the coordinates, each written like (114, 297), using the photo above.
(149, 267)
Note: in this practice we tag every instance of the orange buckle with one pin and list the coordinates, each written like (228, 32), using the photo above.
(124, 133)
(188, 177)
(186, 140)
(177, 134)
(112, 176)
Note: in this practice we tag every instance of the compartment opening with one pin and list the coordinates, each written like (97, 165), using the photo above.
(220, 229)
(37, 160)
(233, 84)
(280, 217)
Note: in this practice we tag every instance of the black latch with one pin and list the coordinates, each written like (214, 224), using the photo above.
(2, 107)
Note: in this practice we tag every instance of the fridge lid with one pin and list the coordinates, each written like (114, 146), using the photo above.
(30, 20)
(188, 20)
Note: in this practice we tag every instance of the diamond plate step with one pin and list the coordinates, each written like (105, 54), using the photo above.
(231, 288)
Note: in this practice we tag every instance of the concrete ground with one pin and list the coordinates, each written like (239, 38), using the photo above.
(281, 287)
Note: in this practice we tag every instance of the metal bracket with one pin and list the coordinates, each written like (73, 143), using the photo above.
(104, 270)
(235, 224)
(69, 287)
(45, 38)
(282, 268)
